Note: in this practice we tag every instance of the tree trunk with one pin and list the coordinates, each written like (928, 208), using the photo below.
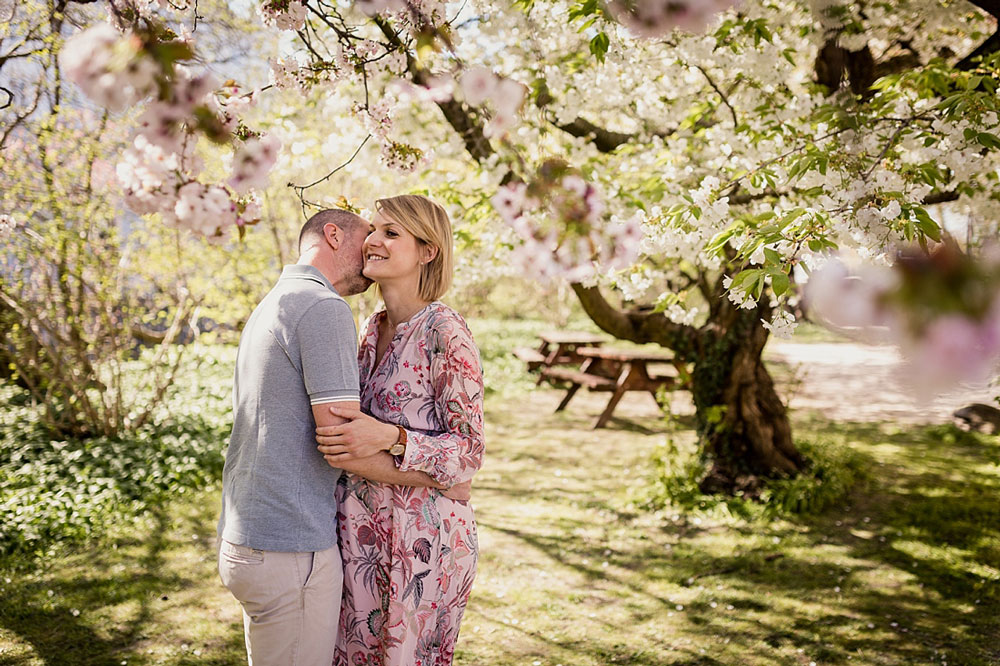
(743, 426)
(742, 423)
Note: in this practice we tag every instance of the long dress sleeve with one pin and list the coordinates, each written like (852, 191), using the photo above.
(456, 378)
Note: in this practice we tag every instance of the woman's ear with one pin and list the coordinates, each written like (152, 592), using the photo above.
(429, 252)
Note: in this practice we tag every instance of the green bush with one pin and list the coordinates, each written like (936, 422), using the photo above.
(833, 470)
(66, 490)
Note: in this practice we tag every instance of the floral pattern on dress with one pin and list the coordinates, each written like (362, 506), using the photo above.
(410, 553)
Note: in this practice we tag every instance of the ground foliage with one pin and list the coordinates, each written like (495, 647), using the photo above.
(71, 490)
(901, 571)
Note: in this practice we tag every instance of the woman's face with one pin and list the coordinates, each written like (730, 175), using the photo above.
(391, 252)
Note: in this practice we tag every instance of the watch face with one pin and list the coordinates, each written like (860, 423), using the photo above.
(397, 449)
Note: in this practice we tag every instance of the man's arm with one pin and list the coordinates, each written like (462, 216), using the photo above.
(378, 467)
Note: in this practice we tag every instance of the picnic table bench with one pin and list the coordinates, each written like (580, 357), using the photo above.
(557, 348)
(617, 371)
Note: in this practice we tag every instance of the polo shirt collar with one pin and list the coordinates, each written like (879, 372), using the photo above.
(305, 272)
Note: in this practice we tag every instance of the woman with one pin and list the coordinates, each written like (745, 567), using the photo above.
(410, 552)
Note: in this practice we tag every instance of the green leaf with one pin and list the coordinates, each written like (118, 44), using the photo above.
(585, 8)
(926, 223)
(599, 46)
(747, 279)
(779, 283)
(988, 140)
(772, 256)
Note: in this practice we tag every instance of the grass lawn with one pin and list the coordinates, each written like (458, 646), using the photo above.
(572, 573)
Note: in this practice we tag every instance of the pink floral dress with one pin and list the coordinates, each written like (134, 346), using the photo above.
(410, 553)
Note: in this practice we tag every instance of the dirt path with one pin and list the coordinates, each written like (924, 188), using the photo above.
(853, 382)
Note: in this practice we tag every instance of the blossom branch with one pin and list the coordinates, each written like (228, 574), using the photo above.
(300, 189)
(718, 91)
(469, 129)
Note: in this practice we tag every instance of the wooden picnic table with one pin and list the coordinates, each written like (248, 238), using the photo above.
(557, 348)
(618, 371)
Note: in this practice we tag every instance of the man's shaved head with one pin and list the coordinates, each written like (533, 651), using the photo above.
(348, 222)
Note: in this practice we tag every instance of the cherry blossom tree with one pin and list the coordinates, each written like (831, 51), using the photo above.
(679, 163)
(692, 171)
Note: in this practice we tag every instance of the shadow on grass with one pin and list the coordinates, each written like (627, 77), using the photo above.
(907, 571)
(107, 605)
(42, 613)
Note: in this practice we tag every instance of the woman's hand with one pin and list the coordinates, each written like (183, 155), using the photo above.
(461, 492)
(360, 437)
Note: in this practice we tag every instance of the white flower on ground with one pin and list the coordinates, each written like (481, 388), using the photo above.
(7, 225)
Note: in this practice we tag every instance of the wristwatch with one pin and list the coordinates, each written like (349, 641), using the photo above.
(399, 448)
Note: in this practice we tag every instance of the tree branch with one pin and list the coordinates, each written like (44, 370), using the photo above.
(722, 95)
(604, 140)
(638, 327)
(991, 45)
(458, 116)
(940, 197)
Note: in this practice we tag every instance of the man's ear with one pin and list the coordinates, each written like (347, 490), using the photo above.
(333, 235)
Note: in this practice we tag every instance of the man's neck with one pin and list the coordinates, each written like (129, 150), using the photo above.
(313, 258)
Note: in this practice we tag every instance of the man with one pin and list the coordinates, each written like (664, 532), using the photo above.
(278, 550)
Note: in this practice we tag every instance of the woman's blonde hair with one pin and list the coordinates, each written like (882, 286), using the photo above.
(429, 223)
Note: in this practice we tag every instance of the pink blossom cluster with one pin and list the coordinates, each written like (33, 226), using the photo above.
(156, 180)
(159, 171)
(377, 118)
(943, 343)
(112, 70)
(252, 163)
(165, 122)
(288, 74)
(480, 85)
(283, 14)
(560, 230)
(655, 18)
(401, 156)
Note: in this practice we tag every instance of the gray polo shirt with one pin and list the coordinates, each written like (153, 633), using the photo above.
(298, 348)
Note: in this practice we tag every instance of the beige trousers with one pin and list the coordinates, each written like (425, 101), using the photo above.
(291, 603)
